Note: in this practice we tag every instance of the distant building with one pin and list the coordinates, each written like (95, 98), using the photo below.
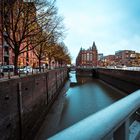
(87, 58)
(127, 58)
(100, 56)
(108, 60)
(121, 58)
(90, 57)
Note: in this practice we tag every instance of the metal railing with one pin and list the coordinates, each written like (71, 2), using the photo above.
(111, 67)
(111, 123)
(122, 68)
(9, 74)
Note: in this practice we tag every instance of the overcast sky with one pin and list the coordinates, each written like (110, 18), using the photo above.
(112, 24)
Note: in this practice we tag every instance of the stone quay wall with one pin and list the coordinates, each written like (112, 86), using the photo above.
(24, 102)
(125, 80)
(84, 72)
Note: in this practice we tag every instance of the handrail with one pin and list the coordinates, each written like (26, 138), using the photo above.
(105, 124)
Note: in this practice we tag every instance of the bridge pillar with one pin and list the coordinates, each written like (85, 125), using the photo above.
(122, 133)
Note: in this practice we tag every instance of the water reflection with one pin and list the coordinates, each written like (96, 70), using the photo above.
(77, 81)
(85, 97)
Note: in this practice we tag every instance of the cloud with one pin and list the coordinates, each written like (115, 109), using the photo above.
(131, 43)
(112, 24)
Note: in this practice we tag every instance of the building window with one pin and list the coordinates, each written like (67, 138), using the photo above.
(88, 57)
(85, 57)
(82, 57)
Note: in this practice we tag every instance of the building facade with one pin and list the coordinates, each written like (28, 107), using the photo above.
(87, 58)
(6, 52)
(127, 58)
(108, 60)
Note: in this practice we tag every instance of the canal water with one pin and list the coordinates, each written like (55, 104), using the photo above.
(85, 96)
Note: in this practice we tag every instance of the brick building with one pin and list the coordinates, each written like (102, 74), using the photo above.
(108, 60)
(127, 58)
(87, 58)
(121, 58)
(6, 52)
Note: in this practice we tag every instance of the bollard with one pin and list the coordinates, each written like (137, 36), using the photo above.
(32, 72)
(19, 74)
(9, 76)
(27, 73)
(2, 74)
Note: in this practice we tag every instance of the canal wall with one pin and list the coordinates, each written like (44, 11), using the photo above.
(84, 72)
(125, 80)
(25, 101)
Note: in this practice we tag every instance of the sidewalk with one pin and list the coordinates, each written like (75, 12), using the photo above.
(12, 76)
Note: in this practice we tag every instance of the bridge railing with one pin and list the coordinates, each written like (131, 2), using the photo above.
(111, 123)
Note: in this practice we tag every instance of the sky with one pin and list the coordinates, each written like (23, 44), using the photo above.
(113, 25)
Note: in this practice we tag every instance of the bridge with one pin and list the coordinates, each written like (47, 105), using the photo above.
(29, 99)
(110, 123)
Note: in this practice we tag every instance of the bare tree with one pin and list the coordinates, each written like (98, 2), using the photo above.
(63, 56)
(39, 51)
(23, 21)
(59, 52)
(46, 40)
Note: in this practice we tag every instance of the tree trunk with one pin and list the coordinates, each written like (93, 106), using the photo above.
(49, 60)
(61, 64)
(27, 57)
(16, 64)
(39, 61)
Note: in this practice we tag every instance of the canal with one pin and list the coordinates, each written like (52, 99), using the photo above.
(84, 96)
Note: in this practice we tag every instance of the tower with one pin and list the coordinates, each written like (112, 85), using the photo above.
(95, 54)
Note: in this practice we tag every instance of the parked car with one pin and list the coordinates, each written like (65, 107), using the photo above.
(7, 68)
(25, 69)
(11, 68)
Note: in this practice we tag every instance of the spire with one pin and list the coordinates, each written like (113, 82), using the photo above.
(94, 46)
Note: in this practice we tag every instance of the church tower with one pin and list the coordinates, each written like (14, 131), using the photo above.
(95, 54)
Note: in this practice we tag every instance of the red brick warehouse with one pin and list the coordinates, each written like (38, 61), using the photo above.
(6, 52)
(88, 58)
